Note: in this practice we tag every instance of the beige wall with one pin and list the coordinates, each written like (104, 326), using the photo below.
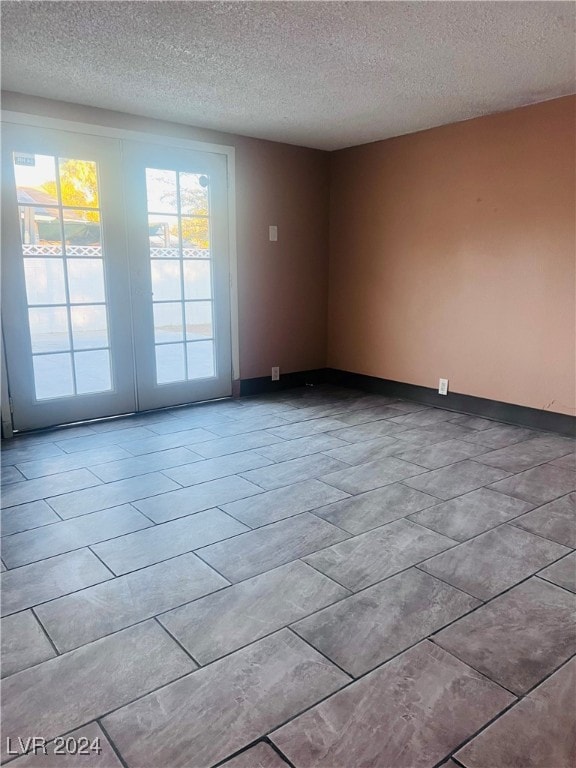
(452, 255)
(282, 287)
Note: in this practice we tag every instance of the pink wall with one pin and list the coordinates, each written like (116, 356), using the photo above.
(452, 255)
(283, 286)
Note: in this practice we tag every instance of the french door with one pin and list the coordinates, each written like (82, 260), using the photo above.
(115, 276)
(177, 244)
(65, 281)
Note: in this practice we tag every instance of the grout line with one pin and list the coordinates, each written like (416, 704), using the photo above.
(311, 511)
(331, 522)
(509, 521)
(504, 712)
(488, 675)
(504, 591)
(520, 471)
(97, 556)
(147, 516)
(554, 583)
(52, 599)
(431, 639)
(260, 637)
(546, 677)
(45, 631)
(159, 616)
(230, 583)
(148, 565)
(149, 471)
(178, 643)
(542, 504)
(131, 504)
(123, 535)
(161, 472)
(79, 454)
(494, 597)
(352, 593)
(243, 750)
(101, 717)
(7, 537)
(132, 624)
(112, 744)
(448, 584)
(534, 533)
(485, 725)
(321, 653)
(263, 527)
(276, 749)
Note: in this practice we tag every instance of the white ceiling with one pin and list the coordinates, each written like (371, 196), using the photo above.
(320, 74)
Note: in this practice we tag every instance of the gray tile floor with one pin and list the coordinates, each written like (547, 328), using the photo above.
(320, 579)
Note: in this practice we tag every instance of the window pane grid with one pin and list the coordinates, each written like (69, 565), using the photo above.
(161, 301)
(81, 349)
(66, 282)
(164, 343)
(70, 368)
(196, 257)
(72, 304)
(63, 207)
(159, 213)
(180, 242)
(43, 251)
(179, 233)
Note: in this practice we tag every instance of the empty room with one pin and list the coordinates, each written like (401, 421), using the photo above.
(288, 384)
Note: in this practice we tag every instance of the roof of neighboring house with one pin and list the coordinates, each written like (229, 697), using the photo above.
(40, 198)
(32, 195)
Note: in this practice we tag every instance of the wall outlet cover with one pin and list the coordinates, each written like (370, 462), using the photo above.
(276, 374)
(443, 386)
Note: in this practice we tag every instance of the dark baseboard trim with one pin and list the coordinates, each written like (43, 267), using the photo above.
(264, 384)
(518, 415)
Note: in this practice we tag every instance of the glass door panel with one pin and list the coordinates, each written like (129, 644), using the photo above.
(65, 280)
(180, 268)
(64, 273)
(179, 251)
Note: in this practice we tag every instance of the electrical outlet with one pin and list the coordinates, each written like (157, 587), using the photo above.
(273, 233)
(443, 387)
(276, 374)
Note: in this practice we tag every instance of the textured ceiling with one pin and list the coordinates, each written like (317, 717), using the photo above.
(321, 74)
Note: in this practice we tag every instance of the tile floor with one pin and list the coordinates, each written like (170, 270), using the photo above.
(319, 578)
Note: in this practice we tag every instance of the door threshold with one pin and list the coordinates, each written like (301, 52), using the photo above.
(103, 419)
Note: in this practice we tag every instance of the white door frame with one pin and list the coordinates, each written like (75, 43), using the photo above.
(40, 121)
